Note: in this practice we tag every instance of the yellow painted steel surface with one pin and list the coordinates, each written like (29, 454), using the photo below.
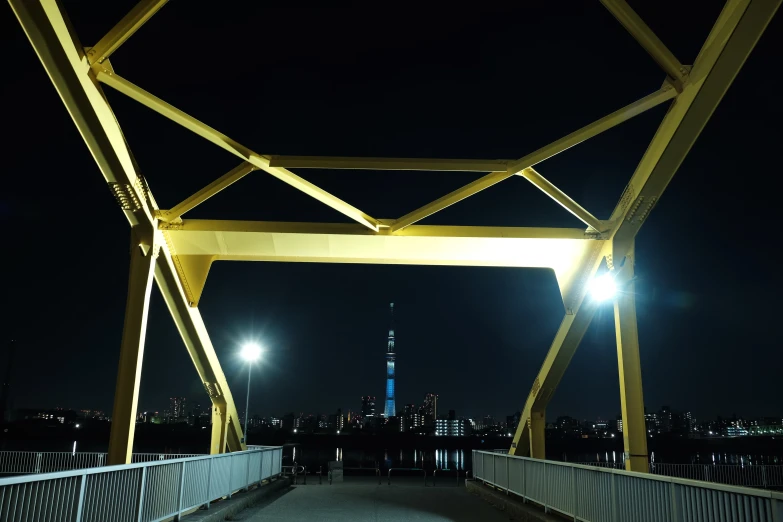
(182, 251)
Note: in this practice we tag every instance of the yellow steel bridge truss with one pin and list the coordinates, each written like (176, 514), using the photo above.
(177, 253)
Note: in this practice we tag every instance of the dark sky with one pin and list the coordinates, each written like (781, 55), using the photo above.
(488, 82)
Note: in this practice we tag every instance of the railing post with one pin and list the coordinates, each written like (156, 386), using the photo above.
(706, 474)
(675, 504)
(181, 491)
(508, 480)
(209, 483)
(574, 496)
(38, 462)
(142, 487)
(80, 505)
(247, 474)
(230, 472)
(615, 515)
(524, 481)
(546, 490)
(764, 476)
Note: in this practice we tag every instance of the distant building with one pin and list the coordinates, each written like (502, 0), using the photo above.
(512, 421)
(94, 414)
(395, 424)
(765, 426)
(429, 410)
(368, 407)
(568, 427)
(735, 431)
(413, 419)
(451, 428)
(337, 420)
(177, 409)
(489, 421)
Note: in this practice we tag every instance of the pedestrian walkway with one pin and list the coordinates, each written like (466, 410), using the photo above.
(364, 502)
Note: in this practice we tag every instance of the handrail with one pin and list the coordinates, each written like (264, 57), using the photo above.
(376, 469)
(157, 490)
(435, 475)
(618, 494)
(409, 469)
(22, 462)
(116, 467)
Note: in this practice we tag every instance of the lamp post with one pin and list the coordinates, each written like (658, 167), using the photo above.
(250, 352)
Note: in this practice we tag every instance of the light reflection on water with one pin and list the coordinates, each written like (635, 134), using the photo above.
(695, 458)
(455, 459)
(446, 459)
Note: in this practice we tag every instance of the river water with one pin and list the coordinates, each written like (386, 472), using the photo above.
(459, 459)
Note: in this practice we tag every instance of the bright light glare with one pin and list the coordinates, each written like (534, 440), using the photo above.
(603, 287)
(250, 351)
(294, 430)
(78, 425)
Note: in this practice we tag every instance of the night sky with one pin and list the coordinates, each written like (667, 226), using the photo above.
(488, 82)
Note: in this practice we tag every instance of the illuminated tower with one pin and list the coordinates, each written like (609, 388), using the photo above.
(390, 410)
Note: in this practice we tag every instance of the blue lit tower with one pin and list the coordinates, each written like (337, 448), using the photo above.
(390, 410)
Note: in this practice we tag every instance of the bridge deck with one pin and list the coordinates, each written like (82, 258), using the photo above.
(357, 500)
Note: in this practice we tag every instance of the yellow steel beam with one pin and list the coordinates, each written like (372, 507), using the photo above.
(562, 198)
(326, 162)
(131, 23)
(63, 58)
(630, 370)
(224, 181)
(660, 96)
(107, 76)
(580, 309)
(449, 199)
(647, 39)
(219, 431)
(197, 243)
(352, 229)
(666, 93)
(126, 395)
(194, 334)
(731, 40)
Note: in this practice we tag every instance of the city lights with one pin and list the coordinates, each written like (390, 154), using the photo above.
(603, 287)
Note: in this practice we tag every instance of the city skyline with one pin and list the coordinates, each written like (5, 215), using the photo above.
(475, 335)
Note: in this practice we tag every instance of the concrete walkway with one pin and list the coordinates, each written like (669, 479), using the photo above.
(348, 503)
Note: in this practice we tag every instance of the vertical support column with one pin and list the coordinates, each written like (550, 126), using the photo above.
(126, 394)
(219, 430)
(537, 427)
(631, 398)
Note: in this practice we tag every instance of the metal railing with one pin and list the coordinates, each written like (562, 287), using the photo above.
(142, 492)
(752, 476)
(21, 462)
(757, 475)
(597, 494)
(408, 469)
(446, 470)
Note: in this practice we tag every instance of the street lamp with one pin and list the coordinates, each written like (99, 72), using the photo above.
(603, 287)
(250, 352)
